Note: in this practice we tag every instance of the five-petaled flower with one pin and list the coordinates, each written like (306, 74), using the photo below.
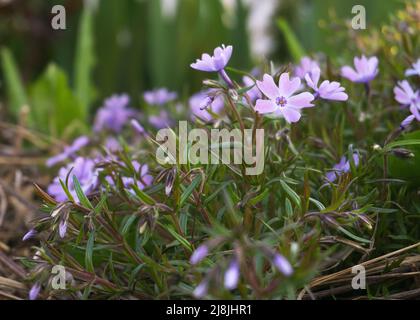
(282, 101)
(405, 95)
(327, 90)
(366, 70)
(215, 63)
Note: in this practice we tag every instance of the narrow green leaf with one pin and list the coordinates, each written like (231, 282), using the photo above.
(187, 192)
(80, 194)
(15, 89)
(293, 44)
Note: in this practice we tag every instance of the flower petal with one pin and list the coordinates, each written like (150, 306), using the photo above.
(286, 86)
(265, 106)
(301, 100)
(268, 87)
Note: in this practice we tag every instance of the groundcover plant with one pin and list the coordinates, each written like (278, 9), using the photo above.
(296, 180)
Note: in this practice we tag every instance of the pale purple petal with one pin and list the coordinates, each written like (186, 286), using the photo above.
(301, 100)
(30, 234)
(268, 87)
(34, 292)
(232, 275)
(199, 254)
(201, 290)
(286, 86)
(291, 115)
(283, 265)
(265, 106)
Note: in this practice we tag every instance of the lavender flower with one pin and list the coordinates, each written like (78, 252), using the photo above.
(159, 96)
(282, 264)
(215, 63)
(306, 65)
(145, 178)
(30, 234)
(199, 254)
(405, 95)
(62, 228)
(201, 290)
(366, 70)
(342, 167)
(137, 127)
(203, 102)
(114, 114)
(281, 101)
(327, 90)
(407, 121)
(112, 144)
(254, 93)
(68, 151)
(232, 275)
(162, 120)
(85, 171)
(34, 292)
(415, 70)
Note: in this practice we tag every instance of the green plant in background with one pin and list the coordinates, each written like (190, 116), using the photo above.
(331, 195)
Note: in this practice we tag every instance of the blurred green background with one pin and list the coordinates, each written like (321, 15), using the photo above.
(133, 45)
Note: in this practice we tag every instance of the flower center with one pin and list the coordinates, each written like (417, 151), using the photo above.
(281, 101)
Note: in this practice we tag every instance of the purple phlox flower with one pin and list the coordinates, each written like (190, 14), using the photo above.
(68, 151)
(405, 95)
(203, 104)
(30, 234)
(215, 63)
(306, 65)
(84, 170)
(160, 121)
(145, 178)
(137, 127)
(159, 96)
(415, 71)
(254, 93)
(62, 228)
(34, 292)
(342, 167)
(112, 144)
(199, 254)
(114, 114)
(366, 70)
(327, 90)
(282, 101)
(282, 264)
(407, 121)
(232, 275)
(201, 290)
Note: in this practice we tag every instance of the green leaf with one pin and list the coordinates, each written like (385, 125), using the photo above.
(84, 61)
(144, 197)
(80, 194)
(15, 90)
(89, 252)
(291, 193)
(406, 168)
(54, 107)
(187, 192)
(293, 44)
